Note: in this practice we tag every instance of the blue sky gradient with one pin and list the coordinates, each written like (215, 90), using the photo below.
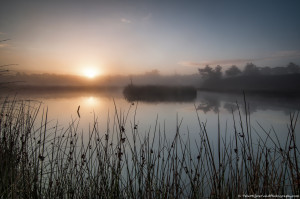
(137, 36)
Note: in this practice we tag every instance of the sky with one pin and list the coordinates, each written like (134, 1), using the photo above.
(134, 37)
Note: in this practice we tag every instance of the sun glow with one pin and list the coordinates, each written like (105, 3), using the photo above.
(91, 72)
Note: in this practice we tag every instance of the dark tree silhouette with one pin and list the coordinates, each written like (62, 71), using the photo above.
(233, 71)
(293, 68)
(217, 72)
(251, 69)
(265, 70)
(208, 73)
(279, 71)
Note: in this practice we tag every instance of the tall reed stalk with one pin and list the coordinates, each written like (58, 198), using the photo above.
(42, 160)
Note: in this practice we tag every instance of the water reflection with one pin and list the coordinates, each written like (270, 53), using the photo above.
(213, 102)
(205, 101)
(151, 93)
(99, 106)
(209, 103)
(91, 101)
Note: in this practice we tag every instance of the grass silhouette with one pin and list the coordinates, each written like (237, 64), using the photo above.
(41, 160)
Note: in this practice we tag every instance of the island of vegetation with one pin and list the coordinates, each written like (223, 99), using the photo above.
(265, 80)
(154, 93)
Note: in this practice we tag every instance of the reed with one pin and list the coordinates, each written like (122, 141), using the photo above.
(40, 159)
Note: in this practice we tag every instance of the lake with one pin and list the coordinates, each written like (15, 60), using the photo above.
(268, 112)
(209, 139)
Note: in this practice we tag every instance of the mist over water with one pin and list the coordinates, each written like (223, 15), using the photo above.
(269, 112)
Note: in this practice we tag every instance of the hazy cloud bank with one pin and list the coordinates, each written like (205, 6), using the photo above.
(228, 62)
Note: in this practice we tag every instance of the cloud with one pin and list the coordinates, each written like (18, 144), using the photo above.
(125, 20)
(215, 62)
(286, 54)
(2, 33)
(227, 62)
(4, 45)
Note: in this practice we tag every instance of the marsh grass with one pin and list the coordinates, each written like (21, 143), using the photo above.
(42, 160)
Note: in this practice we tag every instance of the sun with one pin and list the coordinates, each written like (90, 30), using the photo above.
(91, 72)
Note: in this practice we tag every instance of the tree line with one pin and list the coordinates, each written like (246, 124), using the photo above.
(209, 73)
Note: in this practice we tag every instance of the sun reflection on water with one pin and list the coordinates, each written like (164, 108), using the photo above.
(91, 101)
(90, 104)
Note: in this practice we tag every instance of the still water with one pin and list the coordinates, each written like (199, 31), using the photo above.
(269, 113)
